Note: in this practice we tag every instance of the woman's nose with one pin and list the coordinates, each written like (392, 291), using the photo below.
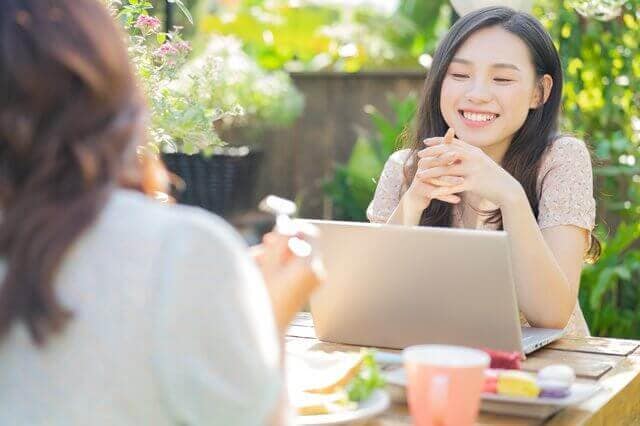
(478, 93)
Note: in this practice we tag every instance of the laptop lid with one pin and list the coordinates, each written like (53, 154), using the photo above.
(394, 286)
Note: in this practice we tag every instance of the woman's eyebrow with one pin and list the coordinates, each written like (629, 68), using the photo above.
(461, 61)
(496, 65)
(505, 65)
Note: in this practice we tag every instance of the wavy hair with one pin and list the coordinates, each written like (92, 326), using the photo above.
(70, 114)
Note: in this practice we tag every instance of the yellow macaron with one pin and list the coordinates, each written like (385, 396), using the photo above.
(517, 383)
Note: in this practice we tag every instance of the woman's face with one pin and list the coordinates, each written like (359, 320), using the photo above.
(489, 88)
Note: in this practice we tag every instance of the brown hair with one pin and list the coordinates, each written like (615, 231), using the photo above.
(70, 113)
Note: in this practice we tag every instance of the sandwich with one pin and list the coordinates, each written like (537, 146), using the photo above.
(330, 382)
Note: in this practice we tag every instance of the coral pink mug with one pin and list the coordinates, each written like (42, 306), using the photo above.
(444, 384)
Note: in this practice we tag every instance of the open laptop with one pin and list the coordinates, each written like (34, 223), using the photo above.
(394, 286)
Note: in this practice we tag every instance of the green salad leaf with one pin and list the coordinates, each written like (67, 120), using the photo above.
(368, 379)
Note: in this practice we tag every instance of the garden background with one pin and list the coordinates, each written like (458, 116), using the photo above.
(323, 91)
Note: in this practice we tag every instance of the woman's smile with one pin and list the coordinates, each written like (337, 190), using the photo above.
(477, 119)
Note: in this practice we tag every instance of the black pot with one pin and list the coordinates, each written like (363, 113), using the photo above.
(223, 183)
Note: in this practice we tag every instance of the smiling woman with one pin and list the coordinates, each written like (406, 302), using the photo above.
(495, 84)
(487, 93)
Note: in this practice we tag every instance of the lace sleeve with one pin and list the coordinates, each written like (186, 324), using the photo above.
(388, 191)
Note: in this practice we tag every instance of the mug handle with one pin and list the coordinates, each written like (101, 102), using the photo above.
(438, 398)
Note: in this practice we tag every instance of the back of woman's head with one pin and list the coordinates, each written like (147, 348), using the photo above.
(69, 115)
(524, 154)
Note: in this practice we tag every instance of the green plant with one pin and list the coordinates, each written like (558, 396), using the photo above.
(191, 98)
(602, 94)
(609, 293)
(300, 36)
(353, 184)
(178, 120)
(259, 98)
(602, 105)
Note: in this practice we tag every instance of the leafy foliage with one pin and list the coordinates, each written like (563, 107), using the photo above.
(227, 79)
(602, 105)
(187, 96)
(354, 184)
(178, 120)
(609, 293)
(301, 36)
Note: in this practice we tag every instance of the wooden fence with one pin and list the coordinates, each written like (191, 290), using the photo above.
(298, 159)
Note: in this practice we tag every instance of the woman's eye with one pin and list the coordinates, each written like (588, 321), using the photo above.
(502, 80)
(457, 75)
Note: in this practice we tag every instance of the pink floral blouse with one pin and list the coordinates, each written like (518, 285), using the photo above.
(565, 185)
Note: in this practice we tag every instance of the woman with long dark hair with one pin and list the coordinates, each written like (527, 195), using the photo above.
(487, 154)
(115, 309)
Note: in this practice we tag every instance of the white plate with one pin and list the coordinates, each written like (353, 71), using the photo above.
(578, 392)
(377, 403)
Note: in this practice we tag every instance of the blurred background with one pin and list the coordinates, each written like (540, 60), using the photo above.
(307, 99)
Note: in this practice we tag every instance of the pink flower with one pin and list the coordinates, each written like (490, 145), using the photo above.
(168, 49)
(147, 23)
(183, 46)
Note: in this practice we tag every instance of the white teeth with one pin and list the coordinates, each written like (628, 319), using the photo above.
(478, 117)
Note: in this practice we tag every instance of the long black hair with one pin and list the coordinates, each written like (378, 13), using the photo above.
(524, 155)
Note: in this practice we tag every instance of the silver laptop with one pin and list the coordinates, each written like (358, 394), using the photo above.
(394, 286)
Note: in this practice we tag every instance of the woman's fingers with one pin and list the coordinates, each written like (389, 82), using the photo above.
(448, 137)
(433, 141)
(256, 252)
(446, 181)
(442, 160)
(451, 186)
(438, 150)
(436, 172)
(451, 142)
(444, 193)
(440, 191)
(293, 286)
(275, 241)
(453, 199)
(273, 252)
(269, 238)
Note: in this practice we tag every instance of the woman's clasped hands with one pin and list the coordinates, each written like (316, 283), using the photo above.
(447, 167)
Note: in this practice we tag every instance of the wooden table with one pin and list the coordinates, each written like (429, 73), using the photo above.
(612, 363)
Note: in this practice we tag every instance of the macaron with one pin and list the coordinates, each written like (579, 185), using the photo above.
(558, 372)
(551, 389)
(555, 381)
(517, 383)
